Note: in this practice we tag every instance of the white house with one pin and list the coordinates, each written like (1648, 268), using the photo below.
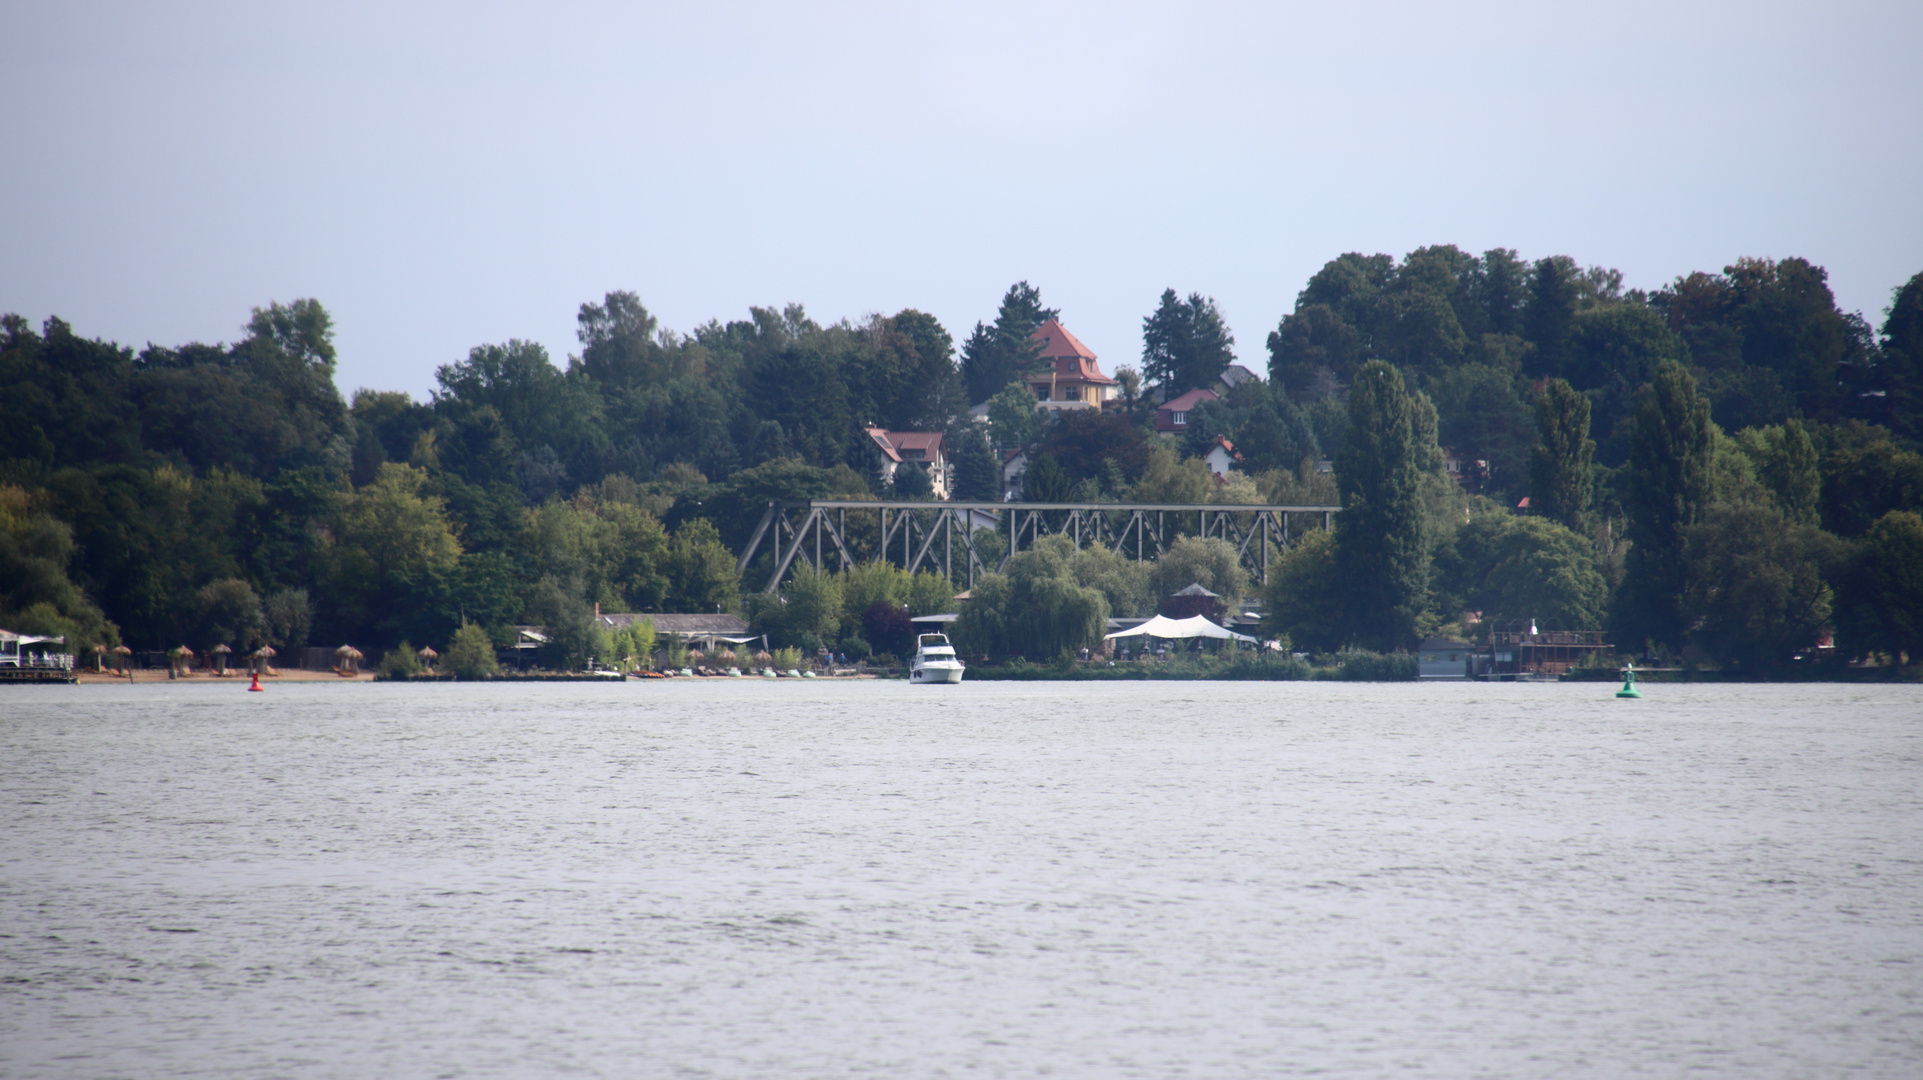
(923, 448)
(1221, 456)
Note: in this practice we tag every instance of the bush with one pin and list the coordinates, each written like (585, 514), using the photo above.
(1360, 665)
(471, 655)
(787, 657)
(399, 663)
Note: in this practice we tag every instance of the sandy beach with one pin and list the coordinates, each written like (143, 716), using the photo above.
(285, 675)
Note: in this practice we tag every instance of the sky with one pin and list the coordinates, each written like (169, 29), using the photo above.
(441, 176)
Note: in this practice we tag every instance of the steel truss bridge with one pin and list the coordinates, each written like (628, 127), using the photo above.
(933, 535)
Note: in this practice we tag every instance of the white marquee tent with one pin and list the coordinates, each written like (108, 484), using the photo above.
(1192, 627)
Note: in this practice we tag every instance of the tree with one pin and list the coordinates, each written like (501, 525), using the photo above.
(1012, 420)
(1550, 312)
(1212, 563)
(1269, 431)
(1560, 464)
(1122, 581)
(1305, 594)
(1092, 444)
(36, 595)
(1036, 609)
(1314, 353)
(1172, 478)
(911, 482)
(1882, 594)
(619, 346)
(701, 571)
(537, 406)
(1046, 482)
(290, 615)
(1185, 344)
(1523, 568)
(978, 478)
(1381, 550)
(1863, 482)
(1903, 358)
(1785, 462)
(808, 611)
(994, 356)
(1756, 590)
(470, 655)
(1668, 486)
(574, 635)
(228, 612)
(393, 557)
(302, 331)
(1484, 419)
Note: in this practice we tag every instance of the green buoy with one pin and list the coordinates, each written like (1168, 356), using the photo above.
(1629, 682)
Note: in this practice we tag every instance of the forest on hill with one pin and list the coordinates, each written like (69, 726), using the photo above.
(1727, 467)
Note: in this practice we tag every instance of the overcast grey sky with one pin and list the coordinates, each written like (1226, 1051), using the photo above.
(446, 175)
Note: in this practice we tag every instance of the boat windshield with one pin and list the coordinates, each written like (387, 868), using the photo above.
(932, 640)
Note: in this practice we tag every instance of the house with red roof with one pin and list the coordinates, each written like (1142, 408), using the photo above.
(1222, 457)
(1072, 378)
(1173, 415)
(922, 448)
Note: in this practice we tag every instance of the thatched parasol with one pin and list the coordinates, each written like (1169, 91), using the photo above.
(763, 656)
(220, 656)
(695, 656)
(726, 656)
(427, 653)
(261, 656)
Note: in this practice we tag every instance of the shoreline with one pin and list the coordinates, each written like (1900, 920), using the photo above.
(159, 675)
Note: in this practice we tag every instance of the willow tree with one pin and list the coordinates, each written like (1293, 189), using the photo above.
(1037, 609)
(1382, 558)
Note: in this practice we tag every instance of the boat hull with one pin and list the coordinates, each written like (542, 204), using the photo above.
(933, 674)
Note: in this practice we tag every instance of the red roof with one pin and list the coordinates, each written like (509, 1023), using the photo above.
(1190, 400)
(1071, 360)
(1057, 341)
(901, 445)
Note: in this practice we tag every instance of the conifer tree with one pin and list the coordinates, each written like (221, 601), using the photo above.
(1382, 554)
(1560, 484)
(994, 356)
(1185, 343)
(977, 477)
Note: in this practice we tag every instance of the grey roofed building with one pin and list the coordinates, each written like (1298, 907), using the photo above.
(1235, 375)
(1441, 658)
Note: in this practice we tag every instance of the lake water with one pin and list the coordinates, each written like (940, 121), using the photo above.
(788, 879)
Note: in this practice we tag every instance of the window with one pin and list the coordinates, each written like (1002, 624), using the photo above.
(1179, 419)
(914, 453)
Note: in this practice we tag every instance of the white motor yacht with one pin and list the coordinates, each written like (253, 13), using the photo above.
(935, 661)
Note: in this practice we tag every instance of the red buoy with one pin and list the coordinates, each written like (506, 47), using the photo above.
(257, 685)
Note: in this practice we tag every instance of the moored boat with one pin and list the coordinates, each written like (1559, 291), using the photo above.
(935, 661)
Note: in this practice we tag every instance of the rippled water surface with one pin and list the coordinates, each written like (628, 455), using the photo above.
(754, 879)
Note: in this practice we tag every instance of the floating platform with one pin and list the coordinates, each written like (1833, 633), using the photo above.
(37, 675)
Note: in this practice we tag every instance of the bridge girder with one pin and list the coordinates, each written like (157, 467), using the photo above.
(1139, 530)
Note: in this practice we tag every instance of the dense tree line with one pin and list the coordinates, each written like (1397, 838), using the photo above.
(1714, 471)
(1726, 466)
